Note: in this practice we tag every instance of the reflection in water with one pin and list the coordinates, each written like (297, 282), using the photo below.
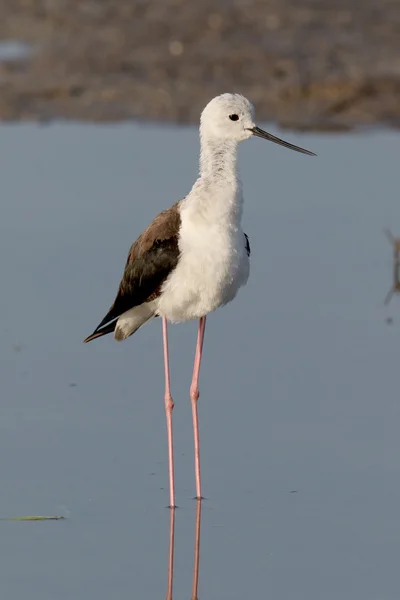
(172, 552)
(395, 289)
(196, 552)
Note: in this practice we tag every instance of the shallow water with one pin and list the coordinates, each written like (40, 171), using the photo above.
(299, 408)
(14, 50)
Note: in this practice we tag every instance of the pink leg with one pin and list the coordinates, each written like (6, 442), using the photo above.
(169, 405)
(194, 396)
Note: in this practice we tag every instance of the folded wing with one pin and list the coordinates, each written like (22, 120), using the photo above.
(150, 261)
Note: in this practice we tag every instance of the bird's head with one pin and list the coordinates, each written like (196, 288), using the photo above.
(230, 117)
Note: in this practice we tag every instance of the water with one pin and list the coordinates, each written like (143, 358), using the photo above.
(14, 50)
(299, 407)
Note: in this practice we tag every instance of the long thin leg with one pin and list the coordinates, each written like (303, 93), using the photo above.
(169, 406)
(194, 396)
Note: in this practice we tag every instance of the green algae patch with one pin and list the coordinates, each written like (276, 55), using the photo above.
(33, 518)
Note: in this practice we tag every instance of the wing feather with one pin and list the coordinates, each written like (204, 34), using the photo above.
(151, 259)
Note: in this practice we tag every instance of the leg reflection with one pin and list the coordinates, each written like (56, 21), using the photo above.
(196, 552)
(172, 550)
(171, 553)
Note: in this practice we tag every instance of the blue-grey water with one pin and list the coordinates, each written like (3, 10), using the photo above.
(299, 406)
(14, 50)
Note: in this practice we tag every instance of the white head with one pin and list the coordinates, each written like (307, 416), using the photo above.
(230, 118)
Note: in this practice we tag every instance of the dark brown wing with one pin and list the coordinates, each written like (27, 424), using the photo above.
(150, 260)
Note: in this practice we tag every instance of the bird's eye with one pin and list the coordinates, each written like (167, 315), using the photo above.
(234, 117)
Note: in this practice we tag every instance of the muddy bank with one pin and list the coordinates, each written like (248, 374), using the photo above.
(306, 64)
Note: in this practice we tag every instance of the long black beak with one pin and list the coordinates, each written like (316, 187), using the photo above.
(267, 136)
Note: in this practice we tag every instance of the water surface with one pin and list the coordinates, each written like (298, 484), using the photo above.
(299, 406)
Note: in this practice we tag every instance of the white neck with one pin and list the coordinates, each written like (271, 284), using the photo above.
(218, 160)
(217, 194)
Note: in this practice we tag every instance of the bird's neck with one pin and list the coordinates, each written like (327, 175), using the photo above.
(217, 194)
(216, 197)
(218, 160)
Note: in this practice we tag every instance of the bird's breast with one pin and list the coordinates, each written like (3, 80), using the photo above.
(213, 264)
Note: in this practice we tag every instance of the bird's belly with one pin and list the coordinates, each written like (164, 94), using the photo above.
(203, 281)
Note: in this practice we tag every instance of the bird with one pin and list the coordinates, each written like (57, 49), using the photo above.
(194, 257)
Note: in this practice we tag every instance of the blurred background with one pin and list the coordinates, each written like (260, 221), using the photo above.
(305, 63)
(299, 407)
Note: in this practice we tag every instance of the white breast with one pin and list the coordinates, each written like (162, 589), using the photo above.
(213, 265)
